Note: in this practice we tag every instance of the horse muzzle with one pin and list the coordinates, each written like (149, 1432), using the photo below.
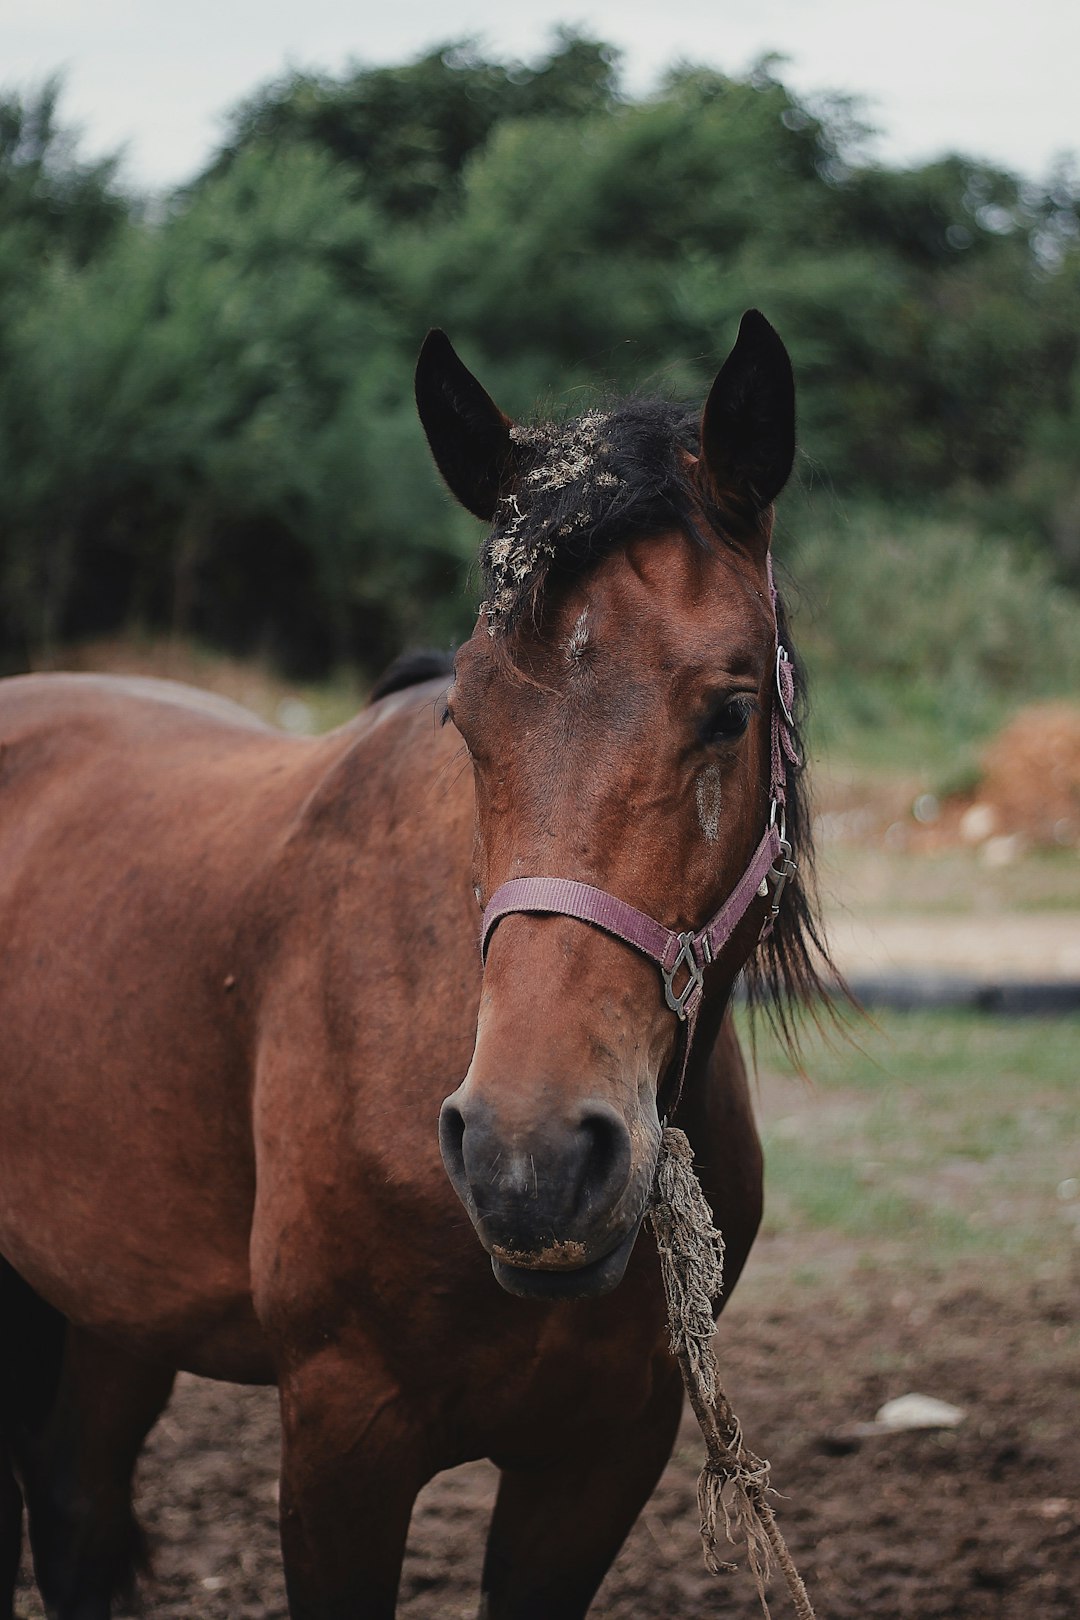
(557, 1206)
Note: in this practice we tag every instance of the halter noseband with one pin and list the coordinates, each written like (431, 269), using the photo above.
(676, 953)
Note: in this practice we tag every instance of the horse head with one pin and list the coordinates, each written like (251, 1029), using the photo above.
(617, 700)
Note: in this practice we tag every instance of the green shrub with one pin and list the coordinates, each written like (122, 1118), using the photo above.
(912, 621)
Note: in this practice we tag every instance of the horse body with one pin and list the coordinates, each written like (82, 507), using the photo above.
(230, 880)
(239, 975)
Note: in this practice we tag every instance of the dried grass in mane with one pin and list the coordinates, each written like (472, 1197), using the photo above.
(581, 488)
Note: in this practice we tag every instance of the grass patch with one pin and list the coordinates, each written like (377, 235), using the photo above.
(840, 1199)
(944, 1055)
(942, 1136)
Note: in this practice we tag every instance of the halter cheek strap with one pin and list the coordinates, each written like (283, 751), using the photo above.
(681, 957)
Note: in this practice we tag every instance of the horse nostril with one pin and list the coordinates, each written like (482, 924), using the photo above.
(451, 1145)
(606, 1159)
(560, 1176)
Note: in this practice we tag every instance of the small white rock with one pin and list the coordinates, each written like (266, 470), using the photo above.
(977, 823)
(1001, 850)
(896, 835)
(918, 1412)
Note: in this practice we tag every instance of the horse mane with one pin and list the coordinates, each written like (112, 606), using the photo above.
(583, 487)
(410, 669)
(791, 974)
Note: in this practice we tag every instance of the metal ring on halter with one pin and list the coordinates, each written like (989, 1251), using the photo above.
(782, 658)
(777, 809)
(782, 870)
(782, 875)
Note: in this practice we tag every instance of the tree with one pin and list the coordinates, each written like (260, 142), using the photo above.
(406, 133)
(206, 417)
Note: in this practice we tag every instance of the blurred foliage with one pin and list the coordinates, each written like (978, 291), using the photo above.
(206, 420)
(49, 200)
(917, 622)
(407, 132)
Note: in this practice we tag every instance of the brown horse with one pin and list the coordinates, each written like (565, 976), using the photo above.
(239, 974)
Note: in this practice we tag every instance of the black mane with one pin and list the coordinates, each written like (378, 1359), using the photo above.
(791, 972)
(409, 669)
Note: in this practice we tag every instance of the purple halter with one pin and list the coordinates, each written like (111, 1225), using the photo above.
(688, 953)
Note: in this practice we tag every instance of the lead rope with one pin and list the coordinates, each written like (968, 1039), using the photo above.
(692, 1266)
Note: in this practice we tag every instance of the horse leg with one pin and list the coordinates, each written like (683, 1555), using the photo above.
(556, 1529)
(77, 1474)
(352, 1464)
(11, 1514)
(31, 1354)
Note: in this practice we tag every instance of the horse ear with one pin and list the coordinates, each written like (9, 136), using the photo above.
(468, 434)
(748, 425)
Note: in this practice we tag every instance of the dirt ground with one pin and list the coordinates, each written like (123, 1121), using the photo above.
(981, 1522)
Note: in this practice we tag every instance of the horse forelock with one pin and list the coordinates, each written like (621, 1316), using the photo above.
(579, 488)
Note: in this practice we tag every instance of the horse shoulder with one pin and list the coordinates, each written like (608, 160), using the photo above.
(366, 1022)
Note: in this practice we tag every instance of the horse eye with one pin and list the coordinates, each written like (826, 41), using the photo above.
(729, 720)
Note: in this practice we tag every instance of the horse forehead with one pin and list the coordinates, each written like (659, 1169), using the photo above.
(684, 591)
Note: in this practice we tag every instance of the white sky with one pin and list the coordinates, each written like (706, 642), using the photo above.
(995, 80)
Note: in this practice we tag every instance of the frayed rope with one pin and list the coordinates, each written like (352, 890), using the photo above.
(692, 1265)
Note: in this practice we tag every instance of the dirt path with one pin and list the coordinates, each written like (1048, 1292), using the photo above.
(980, 1523)
(1012, 945)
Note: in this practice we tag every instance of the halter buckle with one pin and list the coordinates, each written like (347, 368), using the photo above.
(781, 872)
(687, 958)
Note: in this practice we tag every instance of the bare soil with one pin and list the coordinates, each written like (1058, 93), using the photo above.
(981, 1522)
(1031, 774)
